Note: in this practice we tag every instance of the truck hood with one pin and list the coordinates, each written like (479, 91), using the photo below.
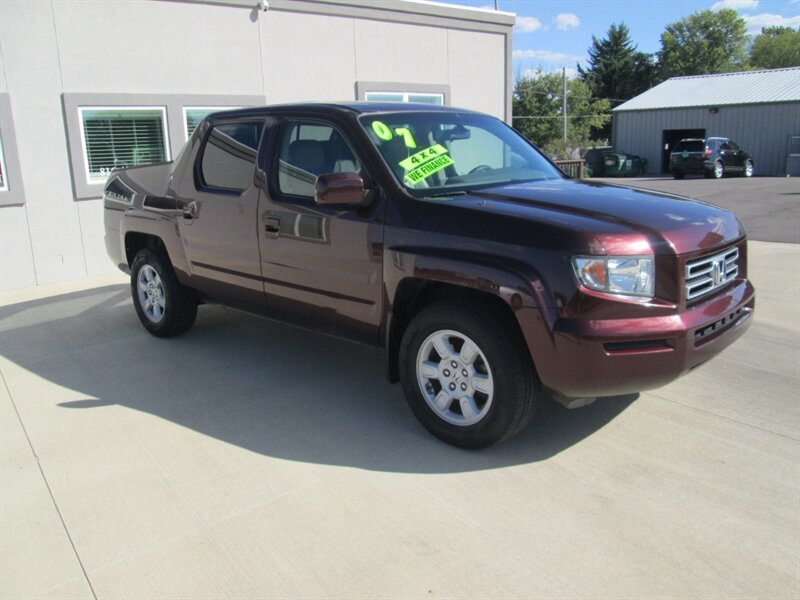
(616, 217)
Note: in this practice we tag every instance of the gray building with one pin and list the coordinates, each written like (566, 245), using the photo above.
(89, 86)
(760, 110)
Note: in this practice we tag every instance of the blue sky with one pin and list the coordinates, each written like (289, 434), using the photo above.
(551, 34)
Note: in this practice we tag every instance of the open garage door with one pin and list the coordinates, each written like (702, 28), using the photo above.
(671, 137)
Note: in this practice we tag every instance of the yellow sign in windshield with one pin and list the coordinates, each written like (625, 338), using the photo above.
(429, 168)
(424, 156)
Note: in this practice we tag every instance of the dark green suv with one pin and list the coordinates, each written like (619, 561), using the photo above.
(712, 157)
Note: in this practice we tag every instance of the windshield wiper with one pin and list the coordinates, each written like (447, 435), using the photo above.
(445, 194)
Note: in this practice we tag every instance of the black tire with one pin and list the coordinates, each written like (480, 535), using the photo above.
(517, 391)
(679, 175)
(748, 172)
(179, 303)
(717, 171)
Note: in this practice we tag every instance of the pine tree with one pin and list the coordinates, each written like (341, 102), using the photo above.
(616, 70)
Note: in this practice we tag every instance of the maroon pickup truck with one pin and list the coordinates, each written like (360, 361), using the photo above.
(442, 237)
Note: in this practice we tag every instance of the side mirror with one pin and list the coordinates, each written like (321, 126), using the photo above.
(340, 189)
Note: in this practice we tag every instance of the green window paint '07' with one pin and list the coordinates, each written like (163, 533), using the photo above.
(382, 130)
(408, 139)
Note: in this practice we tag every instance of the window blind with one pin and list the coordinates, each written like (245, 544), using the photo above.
(193, 118)
(120, 137)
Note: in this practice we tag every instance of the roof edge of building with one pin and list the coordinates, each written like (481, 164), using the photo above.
(732, 73)
(710, 105)
(415, 9)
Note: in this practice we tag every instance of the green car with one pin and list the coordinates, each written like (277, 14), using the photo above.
(623, 165)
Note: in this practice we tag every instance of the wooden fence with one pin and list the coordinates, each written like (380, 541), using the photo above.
(573, 168)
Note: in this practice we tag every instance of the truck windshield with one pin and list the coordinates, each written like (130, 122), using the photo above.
(442, 152)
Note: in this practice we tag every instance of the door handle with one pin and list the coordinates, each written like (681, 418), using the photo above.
(190, 210)
(272, 225)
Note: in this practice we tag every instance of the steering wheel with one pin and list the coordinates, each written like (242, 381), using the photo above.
(480, 169)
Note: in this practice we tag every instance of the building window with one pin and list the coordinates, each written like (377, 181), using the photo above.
(405, 97)
(194, 115)
(117, 137)
(3, 171)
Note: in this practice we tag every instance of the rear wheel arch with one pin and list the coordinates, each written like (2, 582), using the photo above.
(136, 241)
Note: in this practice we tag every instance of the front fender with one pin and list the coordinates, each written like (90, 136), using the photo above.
(517, 284)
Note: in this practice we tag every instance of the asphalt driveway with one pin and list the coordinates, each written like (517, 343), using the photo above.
(247, 459)
(769, 207)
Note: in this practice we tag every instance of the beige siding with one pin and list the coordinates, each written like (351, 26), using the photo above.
(294, 52)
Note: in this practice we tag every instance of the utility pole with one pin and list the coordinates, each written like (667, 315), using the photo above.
(564, 101)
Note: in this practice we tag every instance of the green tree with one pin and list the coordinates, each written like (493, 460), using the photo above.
(537, 104)
(775, 48)
(616, 69)
(708, 41)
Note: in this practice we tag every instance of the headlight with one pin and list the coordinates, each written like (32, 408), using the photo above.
(616, 274)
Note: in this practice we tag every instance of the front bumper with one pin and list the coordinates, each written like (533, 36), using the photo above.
(586, 358)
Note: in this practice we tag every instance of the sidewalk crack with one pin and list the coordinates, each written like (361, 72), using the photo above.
(49, 490)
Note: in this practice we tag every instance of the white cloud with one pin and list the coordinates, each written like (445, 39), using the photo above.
(545, 56)
(566, 21)
(527, 24)
(756, 22)
(735, 4)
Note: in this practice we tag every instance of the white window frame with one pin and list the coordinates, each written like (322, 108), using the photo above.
(81, 109)
(3, 169)
(405, 95)
(210, 109)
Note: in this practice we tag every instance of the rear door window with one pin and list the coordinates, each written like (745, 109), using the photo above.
(229, 155)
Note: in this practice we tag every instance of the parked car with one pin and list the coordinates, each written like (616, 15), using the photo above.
(442, 237)
(712, 157)
(595, 158)
(623, 165)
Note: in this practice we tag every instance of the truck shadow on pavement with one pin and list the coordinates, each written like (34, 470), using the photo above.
(266, 387)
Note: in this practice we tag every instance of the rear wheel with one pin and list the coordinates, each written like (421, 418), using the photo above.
(748, 168)
(467, 376)
(717, 171)
(678, 175)
(163, 305)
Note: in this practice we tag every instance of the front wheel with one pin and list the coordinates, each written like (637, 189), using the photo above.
(748, 168)
(163, 305)
(467, 376)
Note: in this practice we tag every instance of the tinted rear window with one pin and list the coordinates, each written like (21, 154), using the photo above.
(693, 146)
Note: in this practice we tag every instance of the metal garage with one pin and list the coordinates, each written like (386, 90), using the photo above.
(760, 110)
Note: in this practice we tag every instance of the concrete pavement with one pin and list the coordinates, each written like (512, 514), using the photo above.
(247, 459)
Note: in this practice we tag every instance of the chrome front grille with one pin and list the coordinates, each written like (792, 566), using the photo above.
(704, 275)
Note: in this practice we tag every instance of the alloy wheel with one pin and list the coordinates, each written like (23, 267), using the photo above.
(150, 292)
(454, 377)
